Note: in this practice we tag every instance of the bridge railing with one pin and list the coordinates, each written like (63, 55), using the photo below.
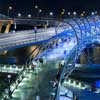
(10, 69)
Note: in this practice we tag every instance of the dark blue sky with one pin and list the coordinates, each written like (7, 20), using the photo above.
(27, 5)
(53, 3)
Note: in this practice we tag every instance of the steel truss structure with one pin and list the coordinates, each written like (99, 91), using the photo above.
(67, 42)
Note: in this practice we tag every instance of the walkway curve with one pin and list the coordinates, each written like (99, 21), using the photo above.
(77, 37)
(87, 32)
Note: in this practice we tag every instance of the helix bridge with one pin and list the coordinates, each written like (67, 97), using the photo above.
(62, 43)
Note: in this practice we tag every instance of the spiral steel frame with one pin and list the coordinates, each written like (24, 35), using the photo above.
(83, 31)
(87, 31)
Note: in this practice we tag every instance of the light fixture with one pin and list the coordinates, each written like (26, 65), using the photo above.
(51, 13)
(95, 12)
(10, 7)
(19, 14)
(63, 11)
(92, 13)
(29, 15)
(69, 13)
(40, 10)
(9, 76)
(74, 13)
(36, 6)
(83, 12)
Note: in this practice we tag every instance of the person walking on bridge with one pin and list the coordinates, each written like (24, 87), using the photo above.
(35, 30)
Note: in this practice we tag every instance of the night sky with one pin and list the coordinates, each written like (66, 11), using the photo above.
(27, 5)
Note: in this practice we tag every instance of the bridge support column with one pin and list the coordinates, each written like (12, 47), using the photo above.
(83, 59)
(1, 26)
(45, 26)
(96, 54)
(8, 26)
(37, 97)
(35, 53)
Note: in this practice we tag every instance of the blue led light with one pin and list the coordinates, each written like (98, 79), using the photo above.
(97, 84)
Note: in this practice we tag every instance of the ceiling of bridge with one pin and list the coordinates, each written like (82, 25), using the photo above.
(89, 73)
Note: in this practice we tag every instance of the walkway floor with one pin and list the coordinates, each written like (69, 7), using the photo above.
(36, 84)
